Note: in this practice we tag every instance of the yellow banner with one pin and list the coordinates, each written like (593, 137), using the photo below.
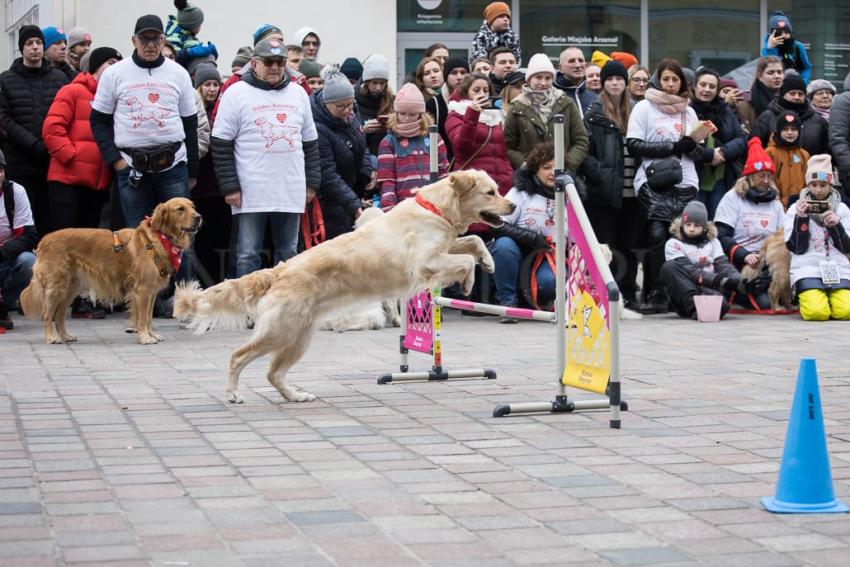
(588, 346)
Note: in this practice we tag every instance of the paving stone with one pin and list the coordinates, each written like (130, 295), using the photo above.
(645, 556)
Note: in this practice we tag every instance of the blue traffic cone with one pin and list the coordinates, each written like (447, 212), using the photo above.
(805, 480)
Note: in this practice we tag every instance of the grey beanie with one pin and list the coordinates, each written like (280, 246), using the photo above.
(188, 16)
(243, 56)
(819, 85)
(337, 87)
(696, 213)
(376, 67)
(205, 72)
(77, 36)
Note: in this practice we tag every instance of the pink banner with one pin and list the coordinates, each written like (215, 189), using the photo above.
(584, 275)
(420, 329)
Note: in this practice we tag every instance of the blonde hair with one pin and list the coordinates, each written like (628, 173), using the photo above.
(425, 121)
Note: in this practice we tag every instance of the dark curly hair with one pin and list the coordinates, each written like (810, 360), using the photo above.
(540, 154)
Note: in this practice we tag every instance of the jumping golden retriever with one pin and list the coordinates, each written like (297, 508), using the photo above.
(132, 264)
(414, 246)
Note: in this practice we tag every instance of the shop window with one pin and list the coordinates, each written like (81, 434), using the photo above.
(438, 16)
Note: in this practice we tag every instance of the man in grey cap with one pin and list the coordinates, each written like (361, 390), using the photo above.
(266, 154)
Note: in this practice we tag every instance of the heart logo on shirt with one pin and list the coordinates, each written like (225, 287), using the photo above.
(764, 223)
(678, 128)
(280, 117)
(153, 97)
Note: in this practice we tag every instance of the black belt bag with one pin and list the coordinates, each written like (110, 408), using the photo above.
(664, 174)
(153, 160)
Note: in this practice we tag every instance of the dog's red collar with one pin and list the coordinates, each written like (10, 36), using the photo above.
(175, 253)
(429, 206)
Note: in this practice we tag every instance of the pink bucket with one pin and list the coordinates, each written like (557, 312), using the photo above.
(708, 307)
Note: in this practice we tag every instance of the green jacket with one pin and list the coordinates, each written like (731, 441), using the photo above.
(524, 129)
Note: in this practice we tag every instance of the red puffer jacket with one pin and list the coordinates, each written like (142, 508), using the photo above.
(467, 130)
(76, 159)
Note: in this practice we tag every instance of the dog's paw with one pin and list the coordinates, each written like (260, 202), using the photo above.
(293, 395)
(488, 264)
(69, 339)
(147, 340)
(235, 397)
(53, 340)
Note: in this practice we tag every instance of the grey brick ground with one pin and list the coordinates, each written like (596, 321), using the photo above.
(114, 453)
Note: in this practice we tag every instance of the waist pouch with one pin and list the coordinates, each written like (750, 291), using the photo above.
(153, 160)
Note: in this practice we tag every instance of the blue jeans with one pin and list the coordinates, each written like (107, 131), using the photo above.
(508, 259)
(252, 231)
(711, 199)
(15, 275)
(155, 188)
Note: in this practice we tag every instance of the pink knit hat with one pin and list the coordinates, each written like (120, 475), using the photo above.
(409, 99)
(539, 63)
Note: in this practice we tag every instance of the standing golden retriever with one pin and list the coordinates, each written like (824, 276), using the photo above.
(776, 255)
(132, 264)
(414, 246)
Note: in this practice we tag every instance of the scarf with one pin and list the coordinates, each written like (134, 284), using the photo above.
(711, 110)
(824, 112)
(541, 102)
(408, 129)
(758, 197)
(799, 107)
(665, 102)
(834, 200)
(781, 143)
(761, 97)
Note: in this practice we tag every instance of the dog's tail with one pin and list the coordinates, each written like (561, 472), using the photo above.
(223, 306)
(32, 300)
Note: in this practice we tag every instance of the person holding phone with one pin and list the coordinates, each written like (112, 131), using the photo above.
(375, 100)
(816, 233)
(780, 43)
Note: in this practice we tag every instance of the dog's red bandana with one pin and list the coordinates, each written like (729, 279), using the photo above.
(175, 253)
(427, 205)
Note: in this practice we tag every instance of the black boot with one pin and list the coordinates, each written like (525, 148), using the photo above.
(84, 309)
(655, 302)
(5, 319)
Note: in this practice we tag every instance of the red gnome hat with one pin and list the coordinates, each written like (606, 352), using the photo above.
(757, 158)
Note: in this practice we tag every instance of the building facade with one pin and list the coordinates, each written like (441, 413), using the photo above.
(724, 34)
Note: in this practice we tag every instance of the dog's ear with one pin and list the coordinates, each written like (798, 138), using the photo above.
(159, 217)
(462, 182)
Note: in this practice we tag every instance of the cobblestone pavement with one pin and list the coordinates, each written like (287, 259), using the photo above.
(122, 454)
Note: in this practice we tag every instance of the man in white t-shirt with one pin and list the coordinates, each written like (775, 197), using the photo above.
(144, 118)
(18, 238)
(266, 154)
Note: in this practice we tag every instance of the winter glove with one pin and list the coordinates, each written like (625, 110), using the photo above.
(213, 50)
(542, 242)
(199, 51)
(685, 145)
(759, 284)
(727, 284)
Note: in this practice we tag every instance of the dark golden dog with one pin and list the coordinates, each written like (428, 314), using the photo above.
(776, 255)
(132, 264)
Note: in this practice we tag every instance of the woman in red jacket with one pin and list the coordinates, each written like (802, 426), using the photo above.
(474, 129)
(79, 178)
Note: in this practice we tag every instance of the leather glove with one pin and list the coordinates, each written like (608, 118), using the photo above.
(198, 51)
(213, 49)
(728, 284)
(541, 242)
(685, 145)
(759, 284)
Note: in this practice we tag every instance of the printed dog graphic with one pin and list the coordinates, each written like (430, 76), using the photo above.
(139, 113)
(272, 132)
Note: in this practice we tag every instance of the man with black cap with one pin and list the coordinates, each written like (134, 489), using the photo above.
(27, 90)
(814, 134)
(266, 154)
(144, 118)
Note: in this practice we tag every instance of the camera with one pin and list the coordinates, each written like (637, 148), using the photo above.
(817, 207)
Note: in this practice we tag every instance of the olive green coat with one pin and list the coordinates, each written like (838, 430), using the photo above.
(524, 129)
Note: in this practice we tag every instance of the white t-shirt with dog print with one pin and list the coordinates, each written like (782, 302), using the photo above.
(146, 104)
(23, 214)
(267, 128)
(702, 256)
(752, 222)
(533, 211)
(808, 265)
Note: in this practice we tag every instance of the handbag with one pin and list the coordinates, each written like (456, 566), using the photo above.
(665, 173)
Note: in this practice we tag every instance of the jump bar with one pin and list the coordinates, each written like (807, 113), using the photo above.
(431, 375)
(516, 312)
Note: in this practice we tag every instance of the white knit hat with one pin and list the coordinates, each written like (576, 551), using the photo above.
(539, 63)
(819, 168)
(376, 66)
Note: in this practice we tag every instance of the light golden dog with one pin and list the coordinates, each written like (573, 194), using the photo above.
(778, 258)
(414, 246)
(132, 264)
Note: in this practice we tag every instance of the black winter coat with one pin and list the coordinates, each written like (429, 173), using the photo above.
(25, 97)
(438, 108)
(730, 137)
(603, 168)
(661, 205)
(814, 130)
(346, 168)
(839, 137)
(368, 106)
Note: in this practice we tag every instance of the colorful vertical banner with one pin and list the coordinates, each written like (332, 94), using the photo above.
(420, 329)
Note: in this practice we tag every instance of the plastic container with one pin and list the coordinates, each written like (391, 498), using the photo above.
(708, 307)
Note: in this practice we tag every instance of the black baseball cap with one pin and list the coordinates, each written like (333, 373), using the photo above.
(150, 22)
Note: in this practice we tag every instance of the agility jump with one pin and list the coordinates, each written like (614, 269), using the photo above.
(592, 314)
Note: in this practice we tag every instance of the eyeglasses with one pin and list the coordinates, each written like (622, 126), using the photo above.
(276, 62)
(342, 106)
(639, 81)
(150, 40)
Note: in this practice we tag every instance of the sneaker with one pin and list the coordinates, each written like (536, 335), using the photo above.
(5, 320)
(656, 302)
(85, 309)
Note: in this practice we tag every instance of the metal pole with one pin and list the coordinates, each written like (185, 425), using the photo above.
(437, 329)
(404, 366)
(433, 152)
(560, 255)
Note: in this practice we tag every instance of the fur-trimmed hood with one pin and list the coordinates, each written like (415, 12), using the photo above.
(525, 180)
(676, 229)
(743, 185)
(490, 117)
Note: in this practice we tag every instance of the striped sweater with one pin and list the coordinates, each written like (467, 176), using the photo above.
(403, 164)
